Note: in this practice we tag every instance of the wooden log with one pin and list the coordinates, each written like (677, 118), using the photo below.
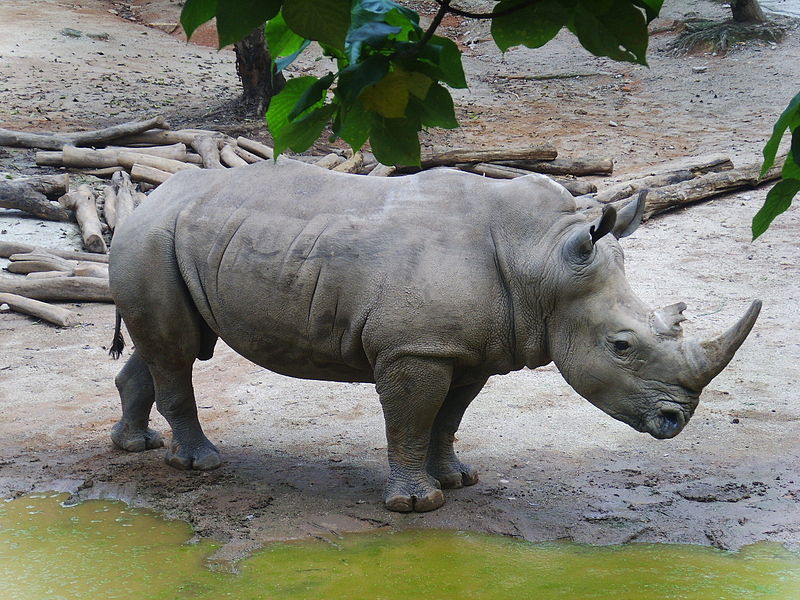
(128, 159)
(90, 269)
(161, 138)
(705, 186)
(48, 274)
(104, 172)
(41, 310)
(208, 147)
(229, 157)
(75, 289)
(109, 157)
(8, 249)
(82, 202)
(99, 137)
(351, 165)
(575, 187)
(49, 158)
(193, 158)
(52, 186)
(30, 262)
(174, 151)
(110, 206)
(380, 170)
(565, 166)
(468, 155)
(249, 157)
(125, 191)
(149, 174)
(256, 148)
(329, 161)
(23, 196)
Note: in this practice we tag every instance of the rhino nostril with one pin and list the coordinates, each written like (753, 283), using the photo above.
(672, 418)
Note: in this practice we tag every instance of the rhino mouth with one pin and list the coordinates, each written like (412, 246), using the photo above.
(668, 421)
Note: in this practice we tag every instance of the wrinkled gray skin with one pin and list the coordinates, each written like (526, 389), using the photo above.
(426, 285)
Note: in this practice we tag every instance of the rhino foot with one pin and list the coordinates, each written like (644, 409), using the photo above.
(131, 439)
(403, 495)
(203, 456)
(453, 474)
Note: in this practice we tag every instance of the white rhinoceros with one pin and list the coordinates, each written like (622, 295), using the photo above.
(425, 285)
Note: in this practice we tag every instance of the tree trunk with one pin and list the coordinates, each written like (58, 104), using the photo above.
(747, 11)
(254, 66)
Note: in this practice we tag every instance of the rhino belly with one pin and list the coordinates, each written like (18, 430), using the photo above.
(284, 294)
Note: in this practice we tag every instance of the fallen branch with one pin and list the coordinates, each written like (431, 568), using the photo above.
(704, 187)
(208, 148)
(31, 262)
(128, 159)
(82, 202)
(329, 161)
(256, 148)
(380, 170)
(148, 174)
(8, 249)
(249, 157)
(230, 158)
(454, 157)
(41, 310)
(48, 274)
(351, 165)
(162, 138)
(30, 196)
(90, 269)
(89, 158)
(76, 289)
(565, 166)
(575, 187)
(99, 137)
(110, 206)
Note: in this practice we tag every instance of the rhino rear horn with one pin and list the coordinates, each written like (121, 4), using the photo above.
(629, 217)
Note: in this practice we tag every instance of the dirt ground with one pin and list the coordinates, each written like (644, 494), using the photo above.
(308, 458)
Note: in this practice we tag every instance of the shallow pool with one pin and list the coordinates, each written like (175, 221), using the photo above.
(102, 549)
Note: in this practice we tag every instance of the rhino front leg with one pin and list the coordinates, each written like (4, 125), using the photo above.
(411, 390)
(443, 463)
(135, 386)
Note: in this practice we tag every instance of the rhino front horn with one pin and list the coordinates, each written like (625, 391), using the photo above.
(714, 355)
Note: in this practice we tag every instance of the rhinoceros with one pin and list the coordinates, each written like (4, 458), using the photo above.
(425, 285)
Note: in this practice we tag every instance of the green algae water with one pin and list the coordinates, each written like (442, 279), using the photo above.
(101, 549)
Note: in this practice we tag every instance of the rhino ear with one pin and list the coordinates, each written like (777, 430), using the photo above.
(630, 216)
(667, 321)
(604, 224)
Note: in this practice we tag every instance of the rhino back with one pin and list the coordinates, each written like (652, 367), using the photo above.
(315, 274)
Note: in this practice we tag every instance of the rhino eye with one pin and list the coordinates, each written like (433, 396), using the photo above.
(621, 346)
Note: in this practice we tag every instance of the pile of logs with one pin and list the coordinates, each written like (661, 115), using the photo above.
(140, 155)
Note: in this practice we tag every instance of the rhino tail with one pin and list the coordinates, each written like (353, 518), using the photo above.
(119, 342)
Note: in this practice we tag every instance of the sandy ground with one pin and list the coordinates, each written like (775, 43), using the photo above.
(306, 457)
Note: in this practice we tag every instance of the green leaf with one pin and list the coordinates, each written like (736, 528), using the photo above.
(789, 119)
(449, 61)
(795, 148)
(238, 18)
(353, 125)
(791, 168)
(354, 78)
(285, 61)
(778, 200)
(325, 21)
(436, 110)
(281, 40)
(282, 104)
(651, 7)
(195, 13)
(395, 141)
(312, 96)
(301, 134)
(532, 26)
(615, 28)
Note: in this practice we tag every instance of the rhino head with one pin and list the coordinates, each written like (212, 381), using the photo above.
(628, 360)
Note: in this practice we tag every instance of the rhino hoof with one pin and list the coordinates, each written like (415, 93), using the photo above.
(451, 481)
(135, 440)
(430, 501)
(202, 458)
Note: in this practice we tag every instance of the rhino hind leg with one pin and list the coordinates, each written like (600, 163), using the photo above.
(169, 335)
(136, 392)
(443, 463)
(411, 390)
